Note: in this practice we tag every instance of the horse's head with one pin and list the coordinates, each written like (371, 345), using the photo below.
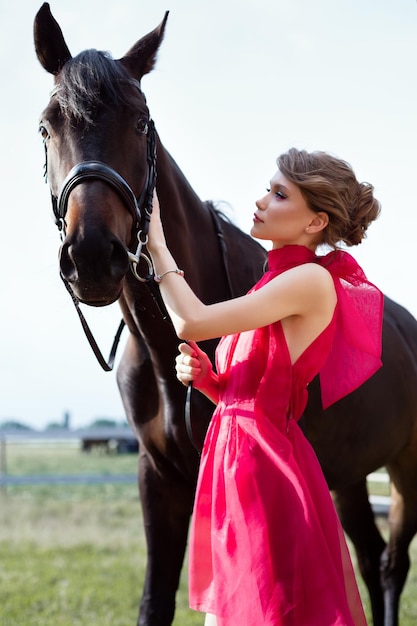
(97, 134)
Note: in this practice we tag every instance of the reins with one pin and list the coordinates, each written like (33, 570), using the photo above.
(223, 250)
(108, 364)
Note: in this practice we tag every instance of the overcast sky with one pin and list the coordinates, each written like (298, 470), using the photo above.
(235, 85)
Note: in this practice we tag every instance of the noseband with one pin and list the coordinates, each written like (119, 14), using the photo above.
(140, 208)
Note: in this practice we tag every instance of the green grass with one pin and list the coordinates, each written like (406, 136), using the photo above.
(75, 555)
(74, 559)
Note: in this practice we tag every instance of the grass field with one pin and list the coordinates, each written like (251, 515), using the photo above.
(74, 555)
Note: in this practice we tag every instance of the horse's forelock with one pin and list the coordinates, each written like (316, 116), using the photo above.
(89, 81)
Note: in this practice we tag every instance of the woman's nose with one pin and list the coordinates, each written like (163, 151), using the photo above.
(260, 204)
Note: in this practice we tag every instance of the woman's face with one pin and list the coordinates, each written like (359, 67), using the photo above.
(283, 215)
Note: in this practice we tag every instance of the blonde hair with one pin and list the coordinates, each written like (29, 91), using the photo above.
(329, 184)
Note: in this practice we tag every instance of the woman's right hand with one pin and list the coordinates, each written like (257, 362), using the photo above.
(193, 365)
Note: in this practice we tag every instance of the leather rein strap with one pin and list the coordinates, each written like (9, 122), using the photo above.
(106, 365)
(223, 249)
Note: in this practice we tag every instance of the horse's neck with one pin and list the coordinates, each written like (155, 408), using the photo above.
(192, 239)
(183, 214)
(145, 320)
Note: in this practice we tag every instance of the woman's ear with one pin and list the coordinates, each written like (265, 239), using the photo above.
(319, 222)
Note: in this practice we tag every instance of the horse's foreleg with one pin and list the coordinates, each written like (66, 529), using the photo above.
(167, 505)
(395, 561)
(166, 496)
(358, 522)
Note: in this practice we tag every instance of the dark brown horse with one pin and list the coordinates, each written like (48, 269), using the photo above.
(98, 138)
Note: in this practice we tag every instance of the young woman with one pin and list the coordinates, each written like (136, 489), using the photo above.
(266, 546)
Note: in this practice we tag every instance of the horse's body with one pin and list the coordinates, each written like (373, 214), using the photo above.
(98, 112)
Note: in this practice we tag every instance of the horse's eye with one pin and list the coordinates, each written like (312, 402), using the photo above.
(142, 125)
(43, 132)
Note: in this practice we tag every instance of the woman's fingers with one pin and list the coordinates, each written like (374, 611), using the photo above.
(188, 365)
(155, 204)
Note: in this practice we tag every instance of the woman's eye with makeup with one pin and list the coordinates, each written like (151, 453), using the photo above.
(280, 195)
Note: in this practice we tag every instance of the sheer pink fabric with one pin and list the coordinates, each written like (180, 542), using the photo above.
(266, 545)
(356, 352)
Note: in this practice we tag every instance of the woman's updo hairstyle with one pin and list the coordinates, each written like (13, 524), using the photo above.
(329, 184)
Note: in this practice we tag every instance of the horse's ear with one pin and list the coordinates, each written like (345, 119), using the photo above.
(50, 46)
(141, 57)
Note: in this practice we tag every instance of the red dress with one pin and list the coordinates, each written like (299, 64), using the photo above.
(266, 545)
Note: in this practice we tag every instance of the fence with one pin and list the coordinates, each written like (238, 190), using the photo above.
(22, 457)
(380, 503)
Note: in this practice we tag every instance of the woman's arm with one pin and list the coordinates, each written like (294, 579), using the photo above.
(304, 290)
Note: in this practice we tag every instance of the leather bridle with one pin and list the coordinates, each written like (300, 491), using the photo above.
(140, 208)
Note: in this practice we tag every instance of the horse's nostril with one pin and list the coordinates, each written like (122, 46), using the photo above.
(119, 262)
(66, 262)
(93, 260)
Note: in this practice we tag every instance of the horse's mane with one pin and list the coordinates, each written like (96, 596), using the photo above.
(90, 81)
(214, 208)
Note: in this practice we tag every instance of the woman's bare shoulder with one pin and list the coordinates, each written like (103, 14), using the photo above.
(308, 273)
(310, 284)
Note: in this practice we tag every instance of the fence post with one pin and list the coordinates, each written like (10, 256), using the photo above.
(3, 464)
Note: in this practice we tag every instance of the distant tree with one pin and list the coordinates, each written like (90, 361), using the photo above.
(14, 425)
(103, 422)
(54, 426)
(67, 418)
